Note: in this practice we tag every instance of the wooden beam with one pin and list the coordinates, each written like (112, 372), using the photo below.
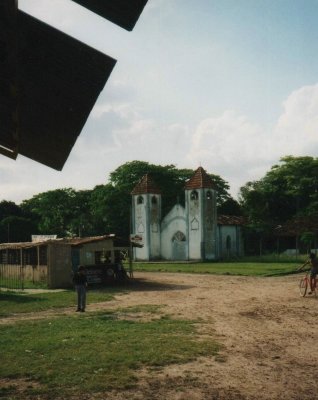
(8, 79)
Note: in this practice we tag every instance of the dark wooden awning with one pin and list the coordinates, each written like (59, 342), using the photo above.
(50, 93)
(51, 81)
(124, 13)
(59, 80)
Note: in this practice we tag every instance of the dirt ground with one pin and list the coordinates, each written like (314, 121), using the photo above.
(268, 333)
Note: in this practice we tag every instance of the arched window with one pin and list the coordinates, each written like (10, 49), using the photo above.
(140, 200)
(154, 200)
(179, 237)
(209, 195)
(194, 195)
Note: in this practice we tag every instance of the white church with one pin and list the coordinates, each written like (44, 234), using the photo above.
(193, 232)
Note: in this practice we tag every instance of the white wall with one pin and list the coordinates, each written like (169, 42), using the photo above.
(194, 225)
(154, 225)
(173, 222)
(140, 226)
(233, 232)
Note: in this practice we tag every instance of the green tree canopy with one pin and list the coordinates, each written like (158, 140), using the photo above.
(111, 203)
(16, 229)
(106, 208)
(288, 190)
(8, 209)
(55, 211)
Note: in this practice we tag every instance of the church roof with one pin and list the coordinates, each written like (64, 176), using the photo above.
(146, 185)
(200, 180)
(231, 220)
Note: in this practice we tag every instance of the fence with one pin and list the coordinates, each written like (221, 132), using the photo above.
(12, 276)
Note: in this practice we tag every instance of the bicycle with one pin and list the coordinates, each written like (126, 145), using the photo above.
(304, 283)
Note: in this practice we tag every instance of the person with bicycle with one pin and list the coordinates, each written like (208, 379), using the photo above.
(313, 261)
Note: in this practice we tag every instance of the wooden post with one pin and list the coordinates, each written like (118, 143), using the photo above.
(277, 247)
(38, 255)
(21, 270)
(131, 272)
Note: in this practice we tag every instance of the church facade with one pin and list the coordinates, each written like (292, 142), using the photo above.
(193, 232)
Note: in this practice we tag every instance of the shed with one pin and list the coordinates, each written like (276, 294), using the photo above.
(54, 261)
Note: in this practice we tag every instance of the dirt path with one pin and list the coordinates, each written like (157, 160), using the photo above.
(268, 331)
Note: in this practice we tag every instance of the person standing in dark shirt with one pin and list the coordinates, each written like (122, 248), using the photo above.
(80, 282)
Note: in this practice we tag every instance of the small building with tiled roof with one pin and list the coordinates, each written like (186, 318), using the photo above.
(193, 232)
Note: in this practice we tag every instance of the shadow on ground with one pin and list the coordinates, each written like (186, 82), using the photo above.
(144, 285)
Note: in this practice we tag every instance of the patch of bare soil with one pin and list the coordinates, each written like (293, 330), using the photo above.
(268, 333)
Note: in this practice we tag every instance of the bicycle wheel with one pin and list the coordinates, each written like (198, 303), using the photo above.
(303, 284)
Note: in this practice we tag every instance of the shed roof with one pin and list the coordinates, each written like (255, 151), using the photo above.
(200, 180)
(146, 185)
(74, 242)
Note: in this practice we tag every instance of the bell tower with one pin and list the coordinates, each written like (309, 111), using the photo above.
(146, 217)
(200, 199)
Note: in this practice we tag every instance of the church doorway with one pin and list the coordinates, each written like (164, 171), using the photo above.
(179, 246)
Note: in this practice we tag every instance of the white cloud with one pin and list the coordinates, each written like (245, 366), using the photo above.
(239, 150)
(297, 127)
(230, 145)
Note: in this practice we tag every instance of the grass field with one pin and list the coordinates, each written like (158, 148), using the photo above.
(221, 268)
(84, 354)
(22, 302)
(100, 351)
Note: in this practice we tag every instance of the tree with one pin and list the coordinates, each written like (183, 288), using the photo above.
(9, 208)
(110, 207)
(54, 211)
(168, 178)
(16, 229)
(80, 222)
(308, 238)
(230, 207)
(288, 190)
(106, 208)
(15, 226)
(111, 203)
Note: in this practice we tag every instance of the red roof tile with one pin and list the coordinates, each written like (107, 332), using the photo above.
(146, 185)
(200, 180)
(231, 220)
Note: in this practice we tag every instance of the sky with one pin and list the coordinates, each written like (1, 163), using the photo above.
(229, 85)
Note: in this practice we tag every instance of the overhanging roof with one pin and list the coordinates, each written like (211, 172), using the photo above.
(50, 81)
(74, 242)
(124, 13)
(59, 80)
